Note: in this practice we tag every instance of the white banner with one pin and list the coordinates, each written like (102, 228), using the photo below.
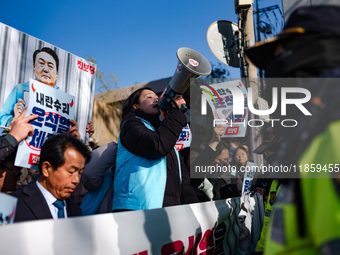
(8, 206)
(54, 108)
(202, 228)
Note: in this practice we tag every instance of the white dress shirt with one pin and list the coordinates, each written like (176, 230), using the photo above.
(50, 199)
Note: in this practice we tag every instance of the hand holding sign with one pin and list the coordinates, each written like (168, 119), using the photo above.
(74, 129)
(218, 132)
(90, 128)
(21, 127)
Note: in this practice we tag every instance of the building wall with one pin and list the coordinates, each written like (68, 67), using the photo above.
(106, 121)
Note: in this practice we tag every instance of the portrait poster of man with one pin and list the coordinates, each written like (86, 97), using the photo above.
(23, 57)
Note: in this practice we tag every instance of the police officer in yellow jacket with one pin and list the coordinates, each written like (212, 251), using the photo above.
(306, 215)
(268, 207)
(269, 147)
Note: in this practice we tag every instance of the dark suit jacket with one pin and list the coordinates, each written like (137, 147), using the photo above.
(32, 205)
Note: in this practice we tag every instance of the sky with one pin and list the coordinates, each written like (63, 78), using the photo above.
(135, 40)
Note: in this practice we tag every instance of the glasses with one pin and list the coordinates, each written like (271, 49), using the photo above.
(219, 160)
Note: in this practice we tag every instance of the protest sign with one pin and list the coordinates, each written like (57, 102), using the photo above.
(221, 99)
(249, 174)
(54, 108)
(184, 140)
(25, 57)
(8, 206)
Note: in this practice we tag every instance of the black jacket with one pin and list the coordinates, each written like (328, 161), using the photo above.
(143, 142)
(8, 145)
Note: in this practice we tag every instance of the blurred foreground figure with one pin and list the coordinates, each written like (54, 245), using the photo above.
(305, 219)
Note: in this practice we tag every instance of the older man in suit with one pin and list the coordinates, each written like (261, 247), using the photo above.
(62, 161)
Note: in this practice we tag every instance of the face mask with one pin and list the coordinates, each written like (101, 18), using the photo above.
(270, 159)
(277, 68)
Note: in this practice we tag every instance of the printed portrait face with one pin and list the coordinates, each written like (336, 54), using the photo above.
(45, 69)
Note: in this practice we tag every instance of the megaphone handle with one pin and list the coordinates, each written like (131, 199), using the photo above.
(172, 100)
(183, 107)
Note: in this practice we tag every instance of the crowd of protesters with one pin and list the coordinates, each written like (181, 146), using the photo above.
(145, 147)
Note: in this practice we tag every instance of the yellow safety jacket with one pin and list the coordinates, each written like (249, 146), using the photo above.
(267, 212)
(310, 225)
